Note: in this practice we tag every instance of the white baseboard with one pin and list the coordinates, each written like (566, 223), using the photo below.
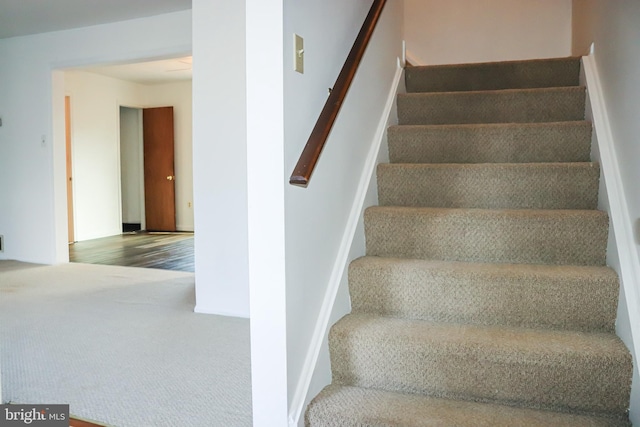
(342, 259)
(412, 59)
(618, 207)
(208, 310)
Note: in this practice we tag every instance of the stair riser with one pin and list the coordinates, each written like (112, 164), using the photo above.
(488, 373)
(516, 296)
(526, 106)
(490, 186)
(519, 237)
(505, 75)
(339, 406)
(516, 143)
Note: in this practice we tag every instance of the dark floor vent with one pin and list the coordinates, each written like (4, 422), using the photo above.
(130, 227)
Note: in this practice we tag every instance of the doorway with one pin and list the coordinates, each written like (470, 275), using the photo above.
(147, 171)
(109, 185)
(131, 170)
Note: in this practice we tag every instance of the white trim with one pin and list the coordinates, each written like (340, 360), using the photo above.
(411, 58)
(207, 310)
(342, 259)
(619, 211)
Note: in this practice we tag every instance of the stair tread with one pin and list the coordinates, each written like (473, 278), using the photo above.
(537, 270)
(476, 126)
(490, 185)
(531, 236)
(341, 406)
(544, 165)
(466, 93)
(494, 75)
(518, 212)
(568, 141)
(582, 298)
(529, 345)
(481, 213)
(542, 369)
(492, 106)
(525, 62)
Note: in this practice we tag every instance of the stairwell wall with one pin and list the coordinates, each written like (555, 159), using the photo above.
(321, 220)
(463, 31)
(613, 28)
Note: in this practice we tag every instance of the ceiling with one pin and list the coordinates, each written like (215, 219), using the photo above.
(148, 73)
(25, 17)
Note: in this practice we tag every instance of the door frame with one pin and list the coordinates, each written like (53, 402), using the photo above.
(140, 143)
(60, 251)
(71, 224)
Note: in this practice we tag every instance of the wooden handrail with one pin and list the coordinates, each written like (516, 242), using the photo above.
(311, 153)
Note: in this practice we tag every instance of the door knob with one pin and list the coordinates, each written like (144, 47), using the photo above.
(171, 177)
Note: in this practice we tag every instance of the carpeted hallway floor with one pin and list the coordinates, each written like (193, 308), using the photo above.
(122, 346)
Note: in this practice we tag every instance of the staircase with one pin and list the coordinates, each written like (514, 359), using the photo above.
(484, 299)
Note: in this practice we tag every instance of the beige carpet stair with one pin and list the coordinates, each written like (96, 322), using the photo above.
(491, 143)
(528, 367)
(490, 185)
(483, 298)
(343, 406)
(520, 295)
(556, 72)
(498, 106)
(482, 235)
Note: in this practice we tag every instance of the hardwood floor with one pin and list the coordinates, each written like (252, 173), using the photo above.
(74, 422)
(167, 251)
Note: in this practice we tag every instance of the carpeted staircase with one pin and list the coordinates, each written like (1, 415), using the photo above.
(484, 299)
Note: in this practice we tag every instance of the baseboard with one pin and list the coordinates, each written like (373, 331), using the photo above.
(208, 310)
(412, 59)
(629, 261)
(342, 259)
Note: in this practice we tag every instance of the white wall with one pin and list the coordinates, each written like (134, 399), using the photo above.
(95, 136)
(220, 157)
(464, 31)
(131, 185)
(318, 218)
(265, 198)
(613, 27)
(34, 220)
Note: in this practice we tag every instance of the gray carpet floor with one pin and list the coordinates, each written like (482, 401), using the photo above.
(122, 346)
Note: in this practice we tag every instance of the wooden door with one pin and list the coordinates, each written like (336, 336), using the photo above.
(159, 175)
(67, 125)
